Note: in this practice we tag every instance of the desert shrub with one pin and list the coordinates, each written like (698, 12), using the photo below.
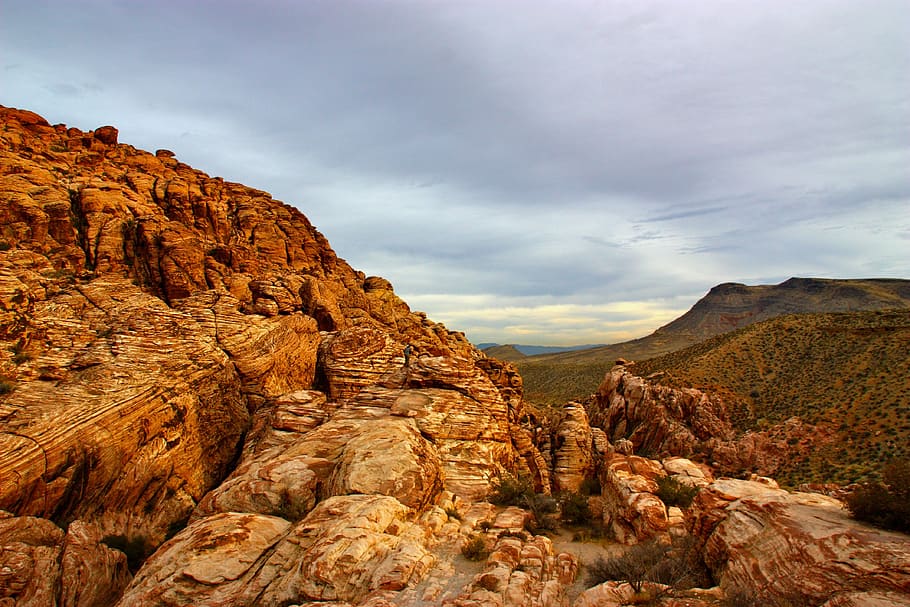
(475, 548)
(510, 490)
(635, 566)
(5, 246)
(575, 510)
(885, 504)
(545, 509)
(676, 565)
(135, 548)
(6, 386)
(675, 493)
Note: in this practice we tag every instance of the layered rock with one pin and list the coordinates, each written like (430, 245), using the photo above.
(573, 458)
(663, 421)
(41, 565)
(110, 417)
(799, 547)
(631, 508)
(151, 317)
(521, 572)
(657, 419)
(343, 550)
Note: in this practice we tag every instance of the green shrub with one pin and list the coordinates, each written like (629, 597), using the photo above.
(575, 510)
(509, 490)
(885, 504)
(675, 493)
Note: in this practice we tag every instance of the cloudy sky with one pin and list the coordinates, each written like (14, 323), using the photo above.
(527, 172)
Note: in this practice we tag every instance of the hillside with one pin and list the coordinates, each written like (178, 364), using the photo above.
(555, 378)
(851, 370)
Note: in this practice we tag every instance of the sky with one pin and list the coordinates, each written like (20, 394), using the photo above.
(534, 172)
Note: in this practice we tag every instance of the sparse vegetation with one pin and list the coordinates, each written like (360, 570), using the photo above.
(475, 548)
(676, 565)
(6, 386)
(574, 508)
(675, 493)
(885, 504)
(452, 513)
(509, 490)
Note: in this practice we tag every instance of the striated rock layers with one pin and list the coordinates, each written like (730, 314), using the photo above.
(797, 547)
(187, 366)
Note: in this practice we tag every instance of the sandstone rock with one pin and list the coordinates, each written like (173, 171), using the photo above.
(521, 572)
(40, 565)
(346, 548)
(630, 509)
(106, 135)
(655, 418)
(772, 543)
(138, 390)
(92, 574)
(573, 461)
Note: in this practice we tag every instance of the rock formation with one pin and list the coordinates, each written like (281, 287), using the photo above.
(663, 421)
(189, 369)
(799, 547)
(201, 403)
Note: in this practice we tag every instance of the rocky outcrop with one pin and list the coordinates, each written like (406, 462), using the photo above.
(662, 421)
(174, 346)
(521, 572)
(111, 414)
(631, 508)
(41, 565)
(574, 452)
(658, 420)
(800, 547)
(343, 550)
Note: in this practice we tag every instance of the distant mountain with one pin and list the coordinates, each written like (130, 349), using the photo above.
(513, 352)
(724, 308)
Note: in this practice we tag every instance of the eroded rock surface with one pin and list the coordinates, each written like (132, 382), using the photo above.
(796, 546)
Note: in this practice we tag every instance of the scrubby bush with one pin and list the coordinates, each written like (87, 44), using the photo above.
(676, 565)
(675, 493)
(885, 504)
(575, 510)
(475, 548)
(510, 490)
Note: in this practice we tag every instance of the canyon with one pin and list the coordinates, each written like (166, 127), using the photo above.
(202, 403)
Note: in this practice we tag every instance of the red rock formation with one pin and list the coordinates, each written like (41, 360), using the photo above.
(662, 421)
(151, 317)
(800, 547)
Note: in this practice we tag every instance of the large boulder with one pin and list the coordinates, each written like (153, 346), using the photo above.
(346, 548)
(803, 547)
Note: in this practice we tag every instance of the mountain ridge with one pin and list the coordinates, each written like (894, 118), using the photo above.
(726, 307)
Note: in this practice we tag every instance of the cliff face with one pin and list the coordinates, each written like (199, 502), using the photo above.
(162, 331)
